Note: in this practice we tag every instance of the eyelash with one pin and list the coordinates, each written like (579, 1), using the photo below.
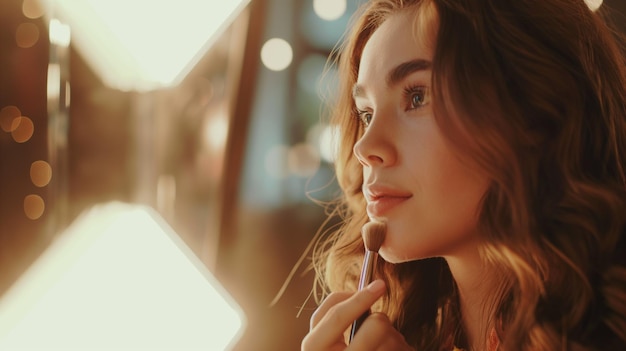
(361, 115)
(410, 92)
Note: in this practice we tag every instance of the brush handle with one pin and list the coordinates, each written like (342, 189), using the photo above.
(357, 324)
(367, 272)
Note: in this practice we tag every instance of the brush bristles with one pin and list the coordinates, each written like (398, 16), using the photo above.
(373, 235)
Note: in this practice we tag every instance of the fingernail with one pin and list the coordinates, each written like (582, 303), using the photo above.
(376, 287)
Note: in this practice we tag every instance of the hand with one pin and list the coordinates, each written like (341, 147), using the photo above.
(336, 314)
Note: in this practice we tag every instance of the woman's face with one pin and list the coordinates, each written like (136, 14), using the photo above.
(428, 195)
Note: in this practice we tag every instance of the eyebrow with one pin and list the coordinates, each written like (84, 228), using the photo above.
(398, 73)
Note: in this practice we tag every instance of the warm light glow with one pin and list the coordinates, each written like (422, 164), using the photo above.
(329, 10)
(216, 131)
(22, 129)
(32, 9)
(26, 35)
(320, 136)
(59, 33)
(8, 114)
(40, 173)
(594, 5)
(54, 77)
(145, 44)
(118, 279)
(34, 206)
(276, 54)
(328, 138)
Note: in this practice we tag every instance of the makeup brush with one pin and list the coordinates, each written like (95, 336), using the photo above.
(373, 236)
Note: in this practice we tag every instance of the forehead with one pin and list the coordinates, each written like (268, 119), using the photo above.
(400, 38)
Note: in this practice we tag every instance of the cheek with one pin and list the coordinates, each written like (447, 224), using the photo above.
(443, 216)
(450, 180)
(429, 237)
(456, 199)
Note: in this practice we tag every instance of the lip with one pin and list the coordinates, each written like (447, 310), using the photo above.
(383, 199)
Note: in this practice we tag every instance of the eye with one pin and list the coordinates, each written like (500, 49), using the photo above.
(417, 97)
(365, 117)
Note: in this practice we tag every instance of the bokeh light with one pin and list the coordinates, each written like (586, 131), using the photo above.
(303, 160)
(32, 9)
(328, 146)
(34, 206)
(216, 131)
(26, 35)
(40, 173)
(276, 54)
(54, 77)
(59, 33)
(594, 4)
(22, 129)
(7, 115)
(329, 10)
(321, 33)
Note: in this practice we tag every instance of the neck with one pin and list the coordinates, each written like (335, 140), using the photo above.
(475, 285)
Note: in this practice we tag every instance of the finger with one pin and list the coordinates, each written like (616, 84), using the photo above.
(341, 315)
(377, 333)
(330, 301)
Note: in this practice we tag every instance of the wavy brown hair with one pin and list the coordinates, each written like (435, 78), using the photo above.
(533, 91)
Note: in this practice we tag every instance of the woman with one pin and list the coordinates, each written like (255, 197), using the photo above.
(490, 137)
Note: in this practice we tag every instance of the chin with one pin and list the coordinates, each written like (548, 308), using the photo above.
(397, 255)
(394, 257)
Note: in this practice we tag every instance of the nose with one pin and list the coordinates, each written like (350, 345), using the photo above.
(375, 148)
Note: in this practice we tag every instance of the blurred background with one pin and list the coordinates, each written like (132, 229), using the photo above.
(224, 137)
